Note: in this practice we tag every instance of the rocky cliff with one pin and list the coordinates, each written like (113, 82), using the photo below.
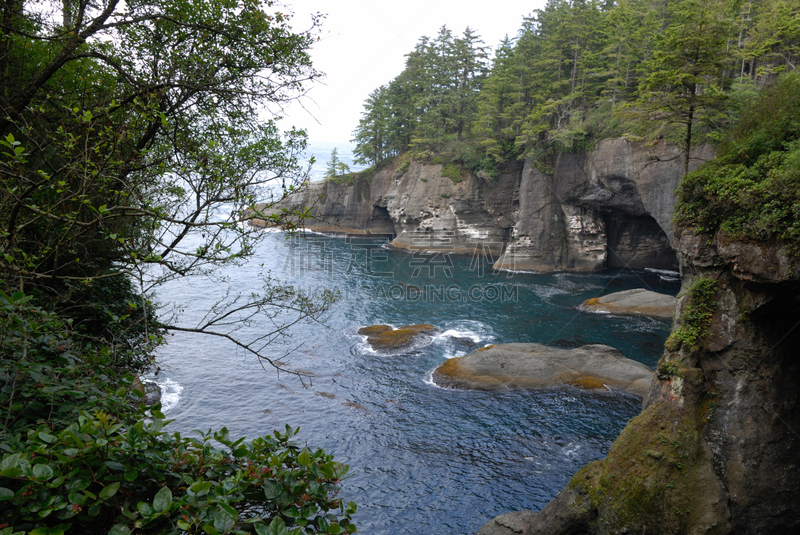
(611, 206)
(716, 449)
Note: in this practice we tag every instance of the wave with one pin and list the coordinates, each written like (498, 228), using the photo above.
(170, 394)
(666, 272)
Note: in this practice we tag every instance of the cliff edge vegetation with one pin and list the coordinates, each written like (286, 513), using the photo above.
(131, 138)
(577, 72)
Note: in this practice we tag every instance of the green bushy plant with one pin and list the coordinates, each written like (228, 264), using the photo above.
(80, 452)
(101, 475)
(751, 191)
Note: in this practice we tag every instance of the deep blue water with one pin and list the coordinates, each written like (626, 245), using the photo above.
(424, 460)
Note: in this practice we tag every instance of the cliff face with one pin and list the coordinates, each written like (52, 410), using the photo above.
(611, 206)
(717, 446)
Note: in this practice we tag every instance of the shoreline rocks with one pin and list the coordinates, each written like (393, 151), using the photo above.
(535, 366)
(633, 302)
(384, 338)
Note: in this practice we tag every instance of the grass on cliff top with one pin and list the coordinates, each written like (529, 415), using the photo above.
(752, 190)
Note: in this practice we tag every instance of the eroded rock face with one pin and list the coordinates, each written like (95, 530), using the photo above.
(715, 450)
(502, 366)
(609, 207)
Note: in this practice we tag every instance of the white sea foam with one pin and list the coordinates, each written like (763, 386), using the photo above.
(170, 394)
(460, 333)
(428, 379)
(546, 292)
(571, 450)
(667, 272)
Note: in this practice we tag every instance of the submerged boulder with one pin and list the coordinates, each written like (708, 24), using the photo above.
(634, 302)
(538, 366)
(384, 338)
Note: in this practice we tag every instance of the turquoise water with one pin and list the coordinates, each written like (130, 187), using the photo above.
(423, 459)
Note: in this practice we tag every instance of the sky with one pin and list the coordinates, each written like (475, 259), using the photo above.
(363, 43)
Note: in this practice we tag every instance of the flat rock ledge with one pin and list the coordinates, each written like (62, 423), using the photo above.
(534, 366)
(634, 302)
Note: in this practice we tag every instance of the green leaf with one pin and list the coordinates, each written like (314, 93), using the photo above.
(184, 525)
(277, 527)
(76, 497)
(6, 494)
(211, 530)
(200, 488)
(109, 490)
(119, 529)
(162, 500)
(230, 511)
(223, 522)
(46, 437)
(240, 452)
(42, 471)
(304, 459)
(145, 509)
(10, 472)
(272, 489)
(335, 529)
(10, 460)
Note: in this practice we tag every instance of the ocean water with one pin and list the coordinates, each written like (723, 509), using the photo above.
(424, 460)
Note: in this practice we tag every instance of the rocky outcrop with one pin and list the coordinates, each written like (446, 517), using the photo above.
(502, 366)
(715, 450)
(385, 339)
(633, 302)
(611, 206)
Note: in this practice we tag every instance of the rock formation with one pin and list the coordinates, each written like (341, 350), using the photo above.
(716, 449)
(385, 339)
(611, 206)
(538, 366)
(633, 302)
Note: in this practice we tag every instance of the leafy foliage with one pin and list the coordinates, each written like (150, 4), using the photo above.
(132, 143)
(752, 190)
(81, 453)
(98, 472)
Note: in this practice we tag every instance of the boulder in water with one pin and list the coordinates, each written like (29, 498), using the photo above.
(539, 366)
(385, 339)
(634, 302)
(374, 329)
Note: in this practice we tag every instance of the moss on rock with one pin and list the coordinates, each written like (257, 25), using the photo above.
(374, 329)
(657, 477)
(383, 338)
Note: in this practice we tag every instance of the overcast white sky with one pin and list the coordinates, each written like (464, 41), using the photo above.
(363, 44)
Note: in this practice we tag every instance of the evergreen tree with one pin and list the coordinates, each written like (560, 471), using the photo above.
(684, 81)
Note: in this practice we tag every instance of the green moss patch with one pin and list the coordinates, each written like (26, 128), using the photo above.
(695, 317)
(657, 477)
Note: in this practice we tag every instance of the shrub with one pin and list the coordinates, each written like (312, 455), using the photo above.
(453, 172)
(752, 191)
(81, 453)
